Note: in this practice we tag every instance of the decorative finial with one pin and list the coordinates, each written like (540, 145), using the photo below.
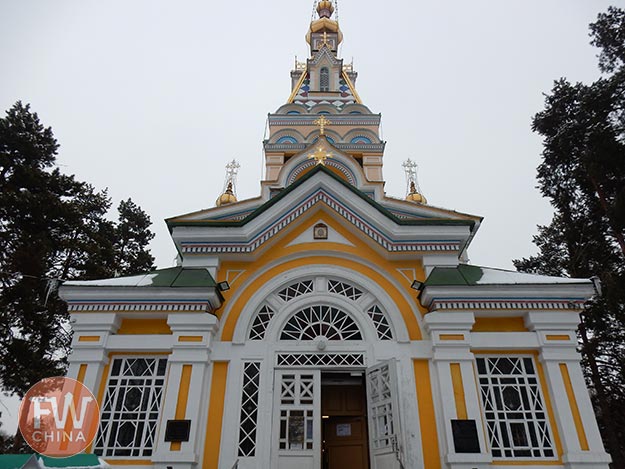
(320, 156)
(325, 9)
(229, 194)
(412, 185)
(322, 122)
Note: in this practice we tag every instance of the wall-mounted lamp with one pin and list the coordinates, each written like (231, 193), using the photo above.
(596, 284)
(223, 286)
(416, 285)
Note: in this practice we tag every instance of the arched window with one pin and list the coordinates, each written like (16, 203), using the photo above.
(320, 321)
(324, 79)
(361, 139)
(286, 139)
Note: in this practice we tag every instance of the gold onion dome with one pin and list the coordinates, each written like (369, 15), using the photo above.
(324, 23)
(227, 197)
(325, 9)
(415, 196)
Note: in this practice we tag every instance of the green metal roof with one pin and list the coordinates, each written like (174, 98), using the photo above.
(17, 461)
(79, 460)
(13, 461)
(182, 277)
(471, 275)
(176, 277)
(171, 222)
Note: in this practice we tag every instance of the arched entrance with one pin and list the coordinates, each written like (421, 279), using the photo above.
(330, 390)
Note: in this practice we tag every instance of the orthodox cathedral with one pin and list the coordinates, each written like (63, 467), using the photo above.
(324, 325)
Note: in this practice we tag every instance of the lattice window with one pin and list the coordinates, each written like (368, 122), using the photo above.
(296, 412)
(131, 407)
(514, 408)
(320, 321)
(324, 79)
(344, 289)
(295, 290)
(321, 359)
(380, 322)
(261, 322)
(381, 407)
(249, 409)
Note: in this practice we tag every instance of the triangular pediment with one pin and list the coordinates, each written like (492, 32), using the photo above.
(321, 188)
(325, 55)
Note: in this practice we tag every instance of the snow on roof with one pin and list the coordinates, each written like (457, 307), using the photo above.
(171, 277)
(476, 275)
(499, 276)
(144, 280)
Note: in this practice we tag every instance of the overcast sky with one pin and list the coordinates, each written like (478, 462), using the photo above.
(151, 98)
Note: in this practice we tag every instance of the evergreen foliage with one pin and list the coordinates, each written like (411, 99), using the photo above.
(583, 175)
(52, 228)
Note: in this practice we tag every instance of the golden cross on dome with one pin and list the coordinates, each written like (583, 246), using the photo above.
(322, 122)
(325, 39)
(320, 156)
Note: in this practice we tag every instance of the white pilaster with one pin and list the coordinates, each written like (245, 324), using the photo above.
(92, 352)
(192, 338)
(551, 329)
(450, 333)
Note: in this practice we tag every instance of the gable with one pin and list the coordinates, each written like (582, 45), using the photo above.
(321, 188)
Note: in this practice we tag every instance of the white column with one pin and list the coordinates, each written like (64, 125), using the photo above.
(91, 334)
(450, 333)
(558, 347)
(192, 338)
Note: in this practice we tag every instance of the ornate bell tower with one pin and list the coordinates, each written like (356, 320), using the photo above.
(324, 86)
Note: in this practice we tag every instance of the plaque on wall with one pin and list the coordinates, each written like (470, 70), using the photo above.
(177, 430)
(320, 231)
(343, 429)
(465, 436)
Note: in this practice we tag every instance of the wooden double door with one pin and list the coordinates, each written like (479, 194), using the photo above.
(344, 422)
(336, 420)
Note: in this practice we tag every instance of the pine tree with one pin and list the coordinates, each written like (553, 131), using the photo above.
(52, 227)
(583, 175)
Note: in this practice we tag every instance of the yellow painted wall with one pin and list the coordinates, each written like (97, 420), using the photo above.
(278, 258)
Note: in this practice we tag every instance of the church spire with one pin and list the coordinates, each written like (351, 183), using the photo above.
(325, 30)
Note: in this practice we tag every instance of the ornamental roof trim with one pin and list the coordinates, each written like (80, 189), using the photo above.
(214, 216)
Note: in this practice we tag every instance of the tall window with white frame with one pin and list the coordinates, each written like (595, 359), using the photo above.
(514, 408)
(131, 407)
(249, 409)
(324, 79)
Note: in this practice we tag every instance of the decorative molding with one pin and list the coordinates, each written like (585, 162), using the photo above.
(477, 303)
(337, 119)
(116, 305)
(235, 275)
(321, 196)
(320, 359)
(408, 274)
(305, 164)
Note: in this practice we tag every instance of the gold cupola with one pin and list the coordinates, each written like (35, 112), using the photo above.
(414, 193)
(228, 196)
(324, 30)
(415, 196)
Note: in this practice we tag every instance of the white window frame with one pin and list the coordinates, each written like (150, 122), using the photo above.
(532, 415)
(112, 414)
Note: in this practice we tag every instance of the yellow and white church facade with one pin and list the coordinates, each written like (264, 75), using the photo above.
(324, 325)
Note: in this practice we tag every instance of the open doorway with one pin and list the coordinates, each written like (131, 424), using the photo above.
(345, 442)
